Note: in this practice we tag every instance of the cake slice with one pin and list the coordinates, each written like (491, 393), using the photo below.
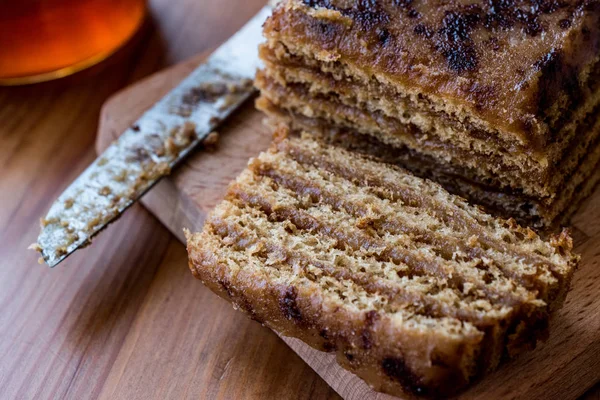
(416, 291)
(503, 94)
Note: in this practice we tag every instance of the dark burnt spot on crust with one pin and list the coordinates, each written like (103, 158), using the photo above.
(329, 31)
(289, 307)
(328, 344)
(454, 39)
(403, 3)
(413, 14)
(457, 25)
(369, 14)
(323, 333)
(407, 5)
(226, 287)
(504, 14)
(329, 347)
(423, 30)
(500, 14)
(564, 23)
(396, 369)
(240, 299)
(383, 35)
(530, 21)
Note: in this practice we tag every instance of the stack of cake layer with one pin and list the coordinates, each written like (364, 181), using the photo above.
(417, 291)
(496, 100)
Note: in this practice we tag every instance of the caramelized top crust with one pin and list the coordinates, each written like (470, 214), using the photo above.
(514, 64)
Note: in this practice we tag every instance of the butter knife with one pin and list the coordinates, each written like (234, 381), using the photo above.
(153, 146)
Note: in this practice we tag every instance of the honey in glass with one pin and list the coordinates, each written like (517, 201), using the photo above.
(47, 39)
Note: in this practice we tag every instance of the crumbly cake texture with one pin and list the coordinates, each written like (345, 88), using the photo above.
(547, 213)
(416, 291)
(508, 91)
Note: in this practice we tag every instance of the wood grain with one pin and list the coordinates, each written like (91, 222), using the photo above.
(116, 320)
(565, 366)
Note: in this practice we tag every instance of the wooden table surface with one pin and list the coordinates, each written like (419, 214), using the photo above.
(109, 321)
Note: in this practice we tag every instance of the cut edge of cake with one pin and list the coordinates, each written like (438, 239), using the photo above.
(545, 213)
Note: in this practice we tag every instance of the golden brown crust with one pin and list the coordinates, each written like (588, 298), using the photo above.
(417, 292)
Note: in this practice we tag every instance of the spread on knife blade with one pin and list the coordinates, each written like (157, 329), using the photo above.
(151, 147)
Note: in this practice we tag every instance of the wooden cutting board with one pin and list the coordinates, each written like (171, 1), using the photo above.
(564, 367)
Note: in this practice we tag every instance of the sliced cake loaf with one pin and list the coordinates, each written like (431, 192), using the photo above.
(501, 96)
(415, 290)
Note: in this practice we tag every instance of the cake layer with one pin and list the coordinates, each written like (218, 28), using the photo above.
(482, 164)
(324, 81)
(415, 290)
(509, 68)
(576, 181)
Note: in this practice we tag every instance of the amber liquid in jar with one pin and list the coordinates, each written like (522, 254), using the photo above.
(46, 39)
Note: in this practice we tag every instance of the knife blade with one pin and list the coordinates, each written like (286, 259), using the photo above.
(153, 146)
